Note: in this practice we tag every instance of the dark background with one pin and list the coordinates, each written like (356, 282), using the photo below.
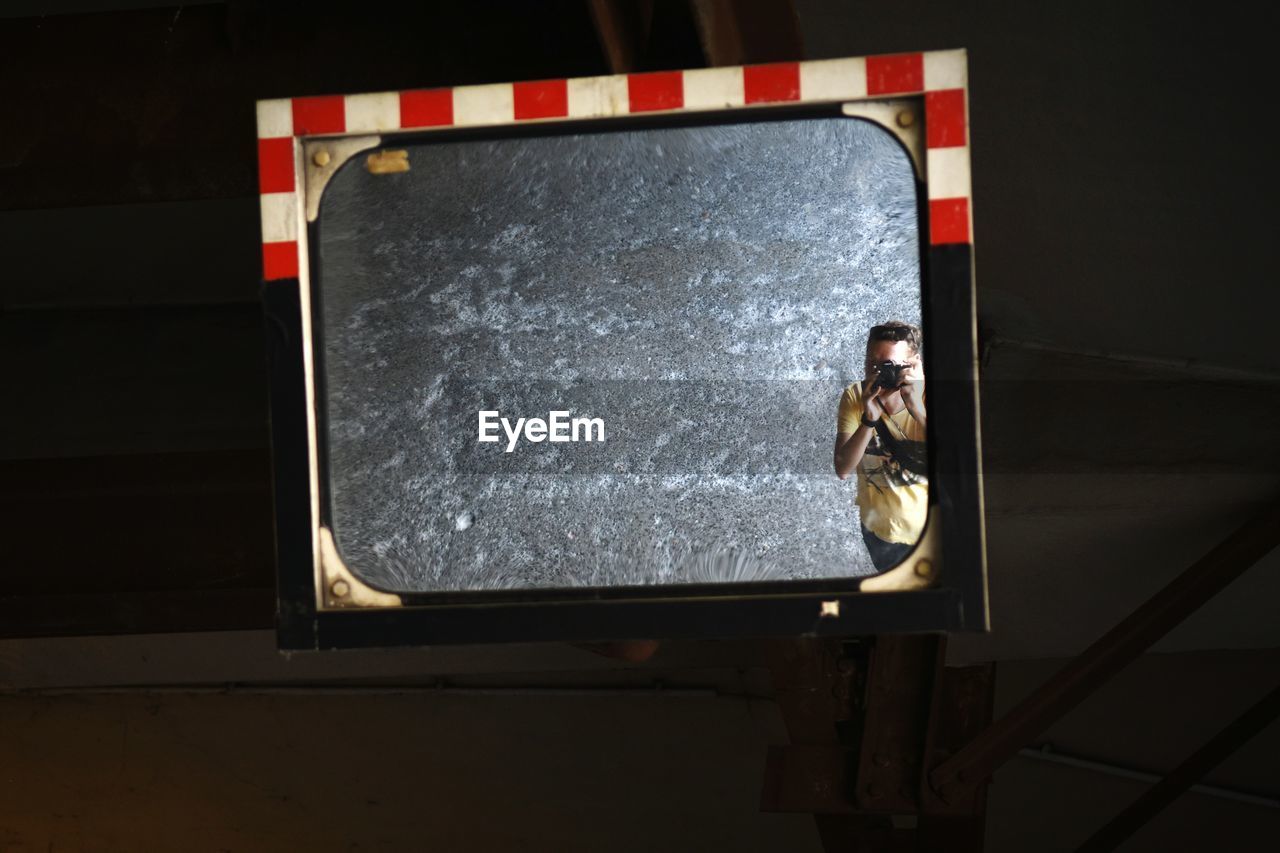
(1123, 223)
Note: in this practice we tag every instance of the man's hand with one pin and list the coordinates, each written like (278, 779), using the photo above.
(872, 409)
(912, 390)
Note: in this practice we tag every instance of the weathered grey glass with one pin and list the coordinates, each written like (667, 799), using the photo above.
(706, 291)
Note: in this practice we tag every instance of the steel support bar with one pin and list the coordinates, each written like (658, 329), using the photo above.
(1185, 775)
(622, 29)
(1110, 654)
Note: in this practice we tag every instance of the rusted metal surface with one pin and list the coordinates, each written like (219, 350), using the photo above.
(902, 672)
(866, 719)
(1111, 653)
(816, 686)
(808, 779)
(962, 707)
(963, 700)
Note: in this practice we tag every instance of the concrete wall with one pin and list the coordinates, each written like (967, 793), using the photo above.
(415, 771)
(536, 749)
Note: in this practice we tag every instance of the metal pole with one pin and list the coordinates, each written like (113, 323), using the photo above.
(1184, 775)
(1117, 648)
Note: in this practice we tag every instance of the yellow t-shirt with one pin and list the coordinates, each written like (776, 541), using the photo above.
(892, 497)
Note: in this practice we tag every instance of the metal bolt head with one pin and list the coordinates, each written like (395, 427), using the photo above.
(321, 158)
(905, 118)
(340, 589)
(924, 568)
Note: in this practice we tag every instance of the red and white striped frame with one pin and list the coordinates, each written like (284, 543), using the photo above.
(941, 76)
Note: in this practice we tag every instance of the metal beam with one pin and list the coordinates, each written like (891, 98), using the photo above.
(734, 32)
(1118, 647)
(1185, 775)
(622, 27)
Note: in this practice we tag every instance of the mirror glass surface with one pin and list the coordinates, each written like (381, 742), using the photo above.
(694, 300)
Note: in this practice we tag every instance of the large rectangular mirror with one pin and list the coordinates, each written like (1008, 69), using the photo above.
(686, 353)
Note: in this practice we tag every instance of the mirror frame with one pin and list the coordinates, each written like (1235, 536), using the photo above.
(921, 98)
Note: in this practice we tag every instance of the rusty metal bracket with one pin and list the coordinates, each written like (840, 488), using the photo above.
(817, 686)
(866, 718)
(815, 683)
(902, 673)
(963, 705)
(808, 779)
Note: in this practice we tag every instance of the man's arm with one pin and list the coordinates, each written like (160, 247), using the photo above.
(850, 446)
(849, 449)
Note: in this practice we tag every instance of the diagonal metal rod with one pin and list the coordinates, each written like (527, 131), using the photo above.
(1184, 775)
(1116, 649)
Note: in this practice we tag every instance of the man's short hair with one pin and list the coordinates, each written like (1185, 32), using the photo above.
(896, 330)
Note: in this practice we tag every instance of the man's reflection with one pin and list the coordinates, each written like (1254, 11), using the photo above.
(880, 431)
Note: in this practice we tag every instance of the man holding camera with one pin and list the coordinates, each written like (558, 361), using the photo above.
(880, 431)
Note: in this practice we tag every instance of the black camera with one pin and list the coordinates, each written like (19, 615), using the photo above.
(890, 374)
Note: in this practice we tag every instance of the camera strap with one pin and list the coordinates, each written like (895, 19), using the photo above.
(909, 454)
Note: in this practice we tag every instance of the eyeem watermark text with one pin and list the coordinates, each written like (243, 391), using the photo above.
(558, 427)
